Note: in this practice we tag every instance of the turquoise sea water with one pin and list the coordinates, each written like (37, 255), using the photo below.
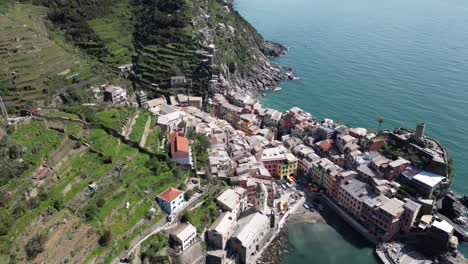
(403, 60)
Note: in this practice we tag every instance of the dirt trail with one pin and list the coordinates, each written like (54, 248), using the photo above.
(145, 133)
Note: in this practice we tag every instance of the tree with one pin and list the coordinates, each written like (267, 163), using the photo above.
(188, 194)
(105, 238)
(182, 187)
(381, 120)
(35, 245)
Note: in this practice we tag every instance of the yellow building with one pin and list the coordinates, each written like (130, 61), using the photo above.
(288, 166)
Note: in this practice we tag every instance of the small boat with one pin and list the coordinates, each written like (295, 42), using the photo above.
(263, 94)
(306, 206)
(277, 89)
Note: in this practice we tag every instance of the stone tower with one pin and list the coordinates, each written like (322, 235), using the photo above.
(420, 130)
(261, 199)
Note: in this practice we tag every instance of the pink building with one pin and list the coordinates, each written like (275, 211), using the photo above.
(409, 215)
(352, 195)
(393, 169)
(384, 219)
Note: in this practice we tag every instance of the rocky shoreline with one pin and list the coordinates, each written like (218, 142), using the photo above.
(265, 75)
(277, 248)
(280, 246)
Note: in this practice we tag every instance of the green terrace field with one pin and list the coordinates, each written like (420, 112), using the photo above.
(127, 182)
(116, 31)
(139, 126)
(33, 63)
(114, 118)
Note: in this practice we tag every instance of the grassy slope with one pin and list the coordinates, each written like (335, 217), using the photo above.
(73, 178)
(116, 31)
(44, 61)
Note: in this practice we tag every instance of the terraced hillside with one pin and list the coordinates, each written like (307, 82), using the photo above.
(85, 192)
(167, 47)
(31, 61)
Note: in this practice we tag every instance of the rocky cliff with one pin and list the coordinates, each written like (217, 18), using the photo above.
(208, 41)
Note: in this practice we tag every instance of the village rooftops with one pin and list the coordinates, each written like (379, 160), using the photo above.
(184, 98)
(170, 194)
(358, 132)
(184, 231)
(248, 227)
(178, 143)
(427, 178)
(114, 89)
(324, 145)
(413, 206)
(358, 189)
(230, 198)
(276, 153)
(398, 162)
(364, 169)
(378, 201)
(155, 102)
(442, 225)
(166, 119)
(223, 222)
(393, 206)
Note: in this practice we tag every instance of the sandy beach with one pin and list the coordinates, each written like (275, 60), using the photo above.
(302, 215)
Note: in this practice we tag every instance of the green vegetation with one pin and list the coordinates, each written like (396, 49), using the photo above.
(152, 246)
(139, 126)
(203, 216)
(10, 165)
(154, 139)
(393, 150)
(122, 175)
(35, 245)
(62, 114)
(113, 118)
(200, 147)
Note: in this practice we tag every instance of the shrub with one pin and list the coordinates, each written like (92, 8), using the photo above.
(188, 194)
(100, 202)
(90, 212)
(35, 245)
(105, 238)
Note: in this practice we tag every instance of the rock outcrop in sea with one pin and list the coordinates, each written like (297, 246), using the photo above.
(274, 49)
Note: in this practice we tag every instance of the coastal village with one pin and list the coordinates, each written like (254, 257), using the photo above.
(385, 184)
(171, 157)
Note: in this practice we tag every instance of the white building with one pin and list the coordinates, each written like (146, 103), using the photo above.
(233, 200)
(170, 200)
(184, 236)
(250, 234)
(221, 230)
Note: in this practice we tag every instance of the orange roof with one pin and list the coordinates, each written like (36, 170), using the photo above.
(170, 194)
(178, 143)
(325, 145)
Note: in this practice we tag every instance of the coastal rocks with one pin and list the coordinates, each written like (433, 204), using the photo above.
(277, 248)
(273, 49)
(455, 208)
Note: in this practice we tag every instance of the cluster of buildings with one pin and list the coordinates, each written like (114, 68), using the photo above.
(243, 227)
(254, 148)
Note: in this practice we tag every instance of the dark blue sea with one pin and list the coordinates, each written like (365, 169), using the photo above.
(357, 61)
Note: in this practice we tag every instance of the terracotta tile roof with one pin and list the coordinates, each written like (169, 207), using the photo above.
(325, 145)
(178, 143)
(170, 194)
